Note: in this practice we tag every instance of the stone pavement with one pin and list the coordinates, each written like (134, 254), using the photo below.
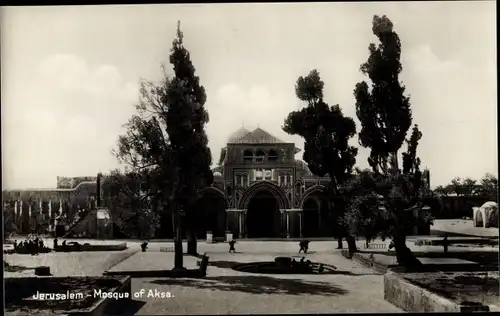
(226, 291)
(354, 288)
(462, 227)
(152, 261)
(65, 264)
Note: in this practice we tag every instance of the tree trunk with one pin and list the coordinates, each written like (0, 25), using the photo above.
(404, 255)
(351, 243)
(339, 242)
(192, 242)
(190, 221)
(178, 259)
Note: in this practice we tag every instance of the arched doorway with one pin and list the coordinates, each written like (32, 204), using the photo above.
(479, 219)
(311, 217)
(210, 213)
(316, 219)
(263, 216)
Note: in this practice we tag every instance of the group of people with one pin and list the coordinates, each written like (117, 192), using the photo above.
(32, 246)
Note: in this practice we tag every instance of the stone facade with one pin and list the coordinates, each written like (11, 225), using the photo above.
(36, 210)
(253, 163)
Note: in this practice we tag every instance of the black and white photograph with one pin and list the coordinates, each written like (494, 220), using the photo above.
(250, 158)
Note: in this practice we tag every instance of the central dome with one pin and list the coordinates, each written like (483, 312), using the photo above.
(236, 136)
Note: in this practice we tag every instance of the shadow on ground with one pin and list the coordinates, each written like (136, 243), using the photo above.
(258, 285)
(232, 264)
(124, 307)
(8, 268)
(223, 264)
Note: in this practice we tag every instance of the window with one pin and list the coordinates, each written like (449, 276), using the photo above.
(259, 174)
(259, 157)
(238, 180)
(282, 179)
(248, 155)
(268, 174)
(272, 155)
(244, 180)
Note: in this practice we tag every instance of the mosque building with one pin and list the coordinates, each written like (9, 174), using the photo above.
(261, 191)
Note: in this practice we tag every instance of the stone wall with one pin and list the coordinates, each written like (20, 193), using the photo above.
(36, 210)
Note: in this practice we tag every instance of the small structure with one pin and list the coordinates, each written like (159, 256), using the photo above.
(42, 271)
(210, 237)
(486, 216)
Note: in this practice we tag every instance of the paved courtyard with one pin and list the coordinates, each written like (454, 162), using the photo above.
(354, 288)
(226, 291)
(462, 227)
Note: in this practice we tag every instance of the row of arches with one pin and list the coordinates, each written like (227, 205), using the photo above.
(263, 218)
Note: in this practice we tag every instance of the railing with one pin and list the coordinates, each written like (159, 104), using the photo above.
(375, 246)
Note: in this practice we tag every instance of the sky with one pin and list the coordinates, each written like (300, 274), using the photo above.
(70, 76)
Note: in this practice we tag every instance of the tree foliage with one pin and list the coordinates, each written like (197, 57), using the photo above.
(365, 213)
(326, 132)
(487, 186)
(8, 215)
(133, 206)
(325, 129)
(384, 110)
(166, 138)
(385, 115)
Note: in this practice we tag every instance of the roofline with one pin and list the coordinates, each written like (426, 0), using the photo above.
(51, 189)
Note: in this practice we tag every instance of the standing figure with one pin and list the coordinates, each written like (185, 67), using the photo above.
(231, 246)
(304, 246)
(445, 244)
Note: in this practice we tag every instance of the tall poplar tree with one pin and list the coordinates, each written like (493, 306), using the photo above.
(166, 139)
(385, 115)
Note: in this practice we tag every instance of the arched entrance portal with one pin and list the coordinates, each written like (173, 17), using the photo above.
(316, 216)
(311, 218)
(210, 214)
(263, 216)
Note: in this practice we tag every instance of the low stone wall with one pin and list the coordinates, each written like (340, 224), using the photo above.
(406, 292)
(412, 298)
(84, 247)
(367, 262)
